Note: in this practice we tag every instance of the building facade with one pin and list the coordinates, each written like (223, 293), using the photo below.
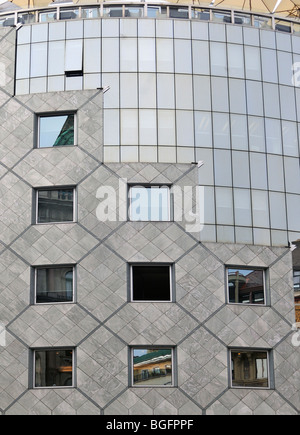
(149, 209)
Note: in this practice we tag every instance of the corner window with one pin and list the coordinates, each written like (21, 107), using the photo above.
(149, 203)
(55, 205)
(246, 286)
(250, 369)
(54, 284)
(53, 368)
(56, 130)
(152, 367)
(151, 283)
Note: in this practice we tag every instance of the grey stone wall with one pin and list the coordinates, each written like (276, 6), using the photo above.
(102, 323)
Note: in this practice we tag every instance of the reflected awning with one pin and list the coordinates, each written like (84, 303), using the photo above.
(278, 7)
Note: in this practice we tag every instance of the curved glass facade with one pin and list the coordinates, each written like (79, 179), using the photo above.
(181, 90)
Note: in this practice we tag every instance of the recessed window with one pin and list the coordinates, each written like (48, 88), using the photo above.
(55, 205)
(53, 368)
(56, 130)
(246, 286)
(152, 367)
(249, 369)
(149, 203)
(151, 283)
(54, 284)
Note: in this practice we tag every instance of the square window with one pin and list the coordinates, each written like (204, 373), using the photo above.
(151, 283)
(152, 367)
(246, 286)
(149, 203)
(54, 284)
(250, 369)
(56, 130)
(53, 368)
(55, 205)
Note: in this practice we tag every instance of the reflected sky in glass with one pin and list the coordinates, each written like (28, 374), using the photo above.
(56, 131)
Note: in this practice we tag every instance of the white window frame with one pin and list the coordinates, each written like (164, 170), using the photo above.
(264, 285)
(55, 115)
(250, 351)
(54, 266)
(133, 348)
(53, 349)
(55, 188)
(151, 265)
(149, 186)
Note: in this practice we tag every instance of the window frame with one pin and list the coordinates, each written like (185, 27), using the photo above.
(270, 377)
(53, 266)
(148, 186)
(36, 199)
(149, 347)
(171, 282)
(52, 349)
(38, 117)
(296, 269)
(265, 281)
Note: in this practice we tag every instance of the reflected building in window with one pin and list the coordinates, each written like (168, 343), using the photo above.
(250, 369)
(152, 367)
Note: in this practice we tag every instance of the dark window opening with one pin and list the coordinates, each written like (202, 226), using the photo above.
(77, 73)
(151, 283)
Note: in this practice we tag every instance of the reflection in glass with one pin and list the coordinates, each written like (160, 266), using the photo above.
(249, 369)
(152, 367)
(53, 368)
(45, 17)
(134, 11)
(151, 283)
(297, 294)
(56, 130)
(54, 284)
(90, 12)
(246, 286)
(55, 205)
(149, 203)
